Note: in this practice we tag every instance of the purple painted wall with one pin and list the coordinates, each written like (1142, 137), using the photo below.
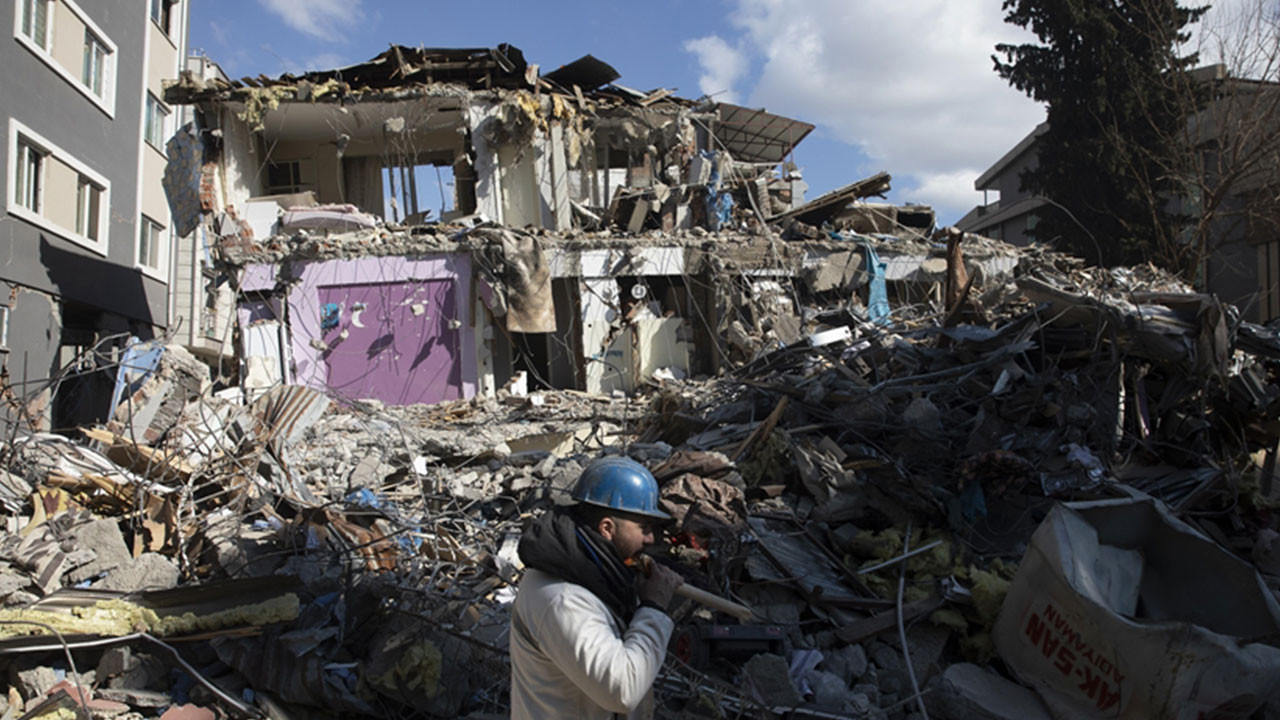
(391, 328)
(259, 277)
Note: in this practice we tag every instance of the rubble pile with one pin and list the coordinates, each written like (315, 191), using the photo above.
(871, 489)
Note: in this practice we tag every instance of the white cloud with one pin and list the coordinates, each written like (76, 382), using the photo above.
(323, 19)
(326, 61)
(910, 84)
(219, 32)
(722, 66)
(951, 193)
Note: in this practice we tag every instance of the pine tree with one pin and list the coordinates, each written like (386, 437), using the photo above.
(1111, 77)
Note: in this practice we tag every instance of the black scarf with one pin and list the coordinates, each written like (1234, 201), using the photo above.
(560, 545)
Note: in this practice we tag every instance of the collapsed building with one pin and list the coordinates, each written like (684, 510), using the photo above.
(598, 234)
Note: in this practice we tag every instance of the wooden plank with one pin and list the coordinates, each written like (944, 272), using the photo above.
(763, 429)
(655, 96)
(155, 464)
(859, 630)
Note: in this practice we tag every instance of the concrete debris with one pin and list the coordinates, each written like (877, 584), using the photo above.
(848, 663)
(969, 692)
(36, 681)
(103, 538)
(769, 680)
(148, 571)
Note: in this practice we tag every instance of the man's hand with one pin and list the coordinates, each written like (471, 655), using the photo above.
(660, 585)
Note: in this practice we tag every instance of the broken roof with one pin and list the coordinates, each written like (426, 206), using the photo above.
(401, 73)
(758, 136)
(399, 65)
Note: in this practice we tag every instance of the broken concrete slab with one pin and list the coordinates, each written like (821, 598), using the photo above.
(831, 692)
(116, 661)
(11, 582)
(36, 682)
(136, 698)
(148, 571)
(188, 712)
(103, 537)
(769, 679)
(849, 663)
(969, 692)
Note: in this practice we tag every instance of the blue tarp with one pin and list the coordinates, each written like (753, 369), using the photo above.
(719, 203)
(877, 292)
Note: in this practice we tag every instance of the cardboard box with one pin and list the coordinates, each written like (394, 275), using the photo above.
(1120, 610)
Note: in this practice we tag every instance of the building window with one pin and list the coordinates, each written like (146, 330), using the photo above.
(95, 63)
(52, 189)
(150, 235)
(157, 115)
(162, 14)
(30, 180)
(4, 328)
(35, 22)
(88, 208)
(284, 177)
(92, 71)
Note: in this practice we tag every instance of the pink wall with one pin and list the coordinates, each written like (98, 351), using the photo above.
(402, 331)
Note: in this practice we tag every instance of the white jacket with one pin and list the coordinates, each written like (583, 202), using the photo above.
(571, 657)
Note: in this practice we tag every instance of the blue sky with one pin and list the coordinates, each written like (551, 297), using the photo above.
(905, 87)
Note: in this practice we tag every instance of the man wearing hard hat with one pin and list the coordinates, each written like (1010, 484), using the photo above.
(587, 637)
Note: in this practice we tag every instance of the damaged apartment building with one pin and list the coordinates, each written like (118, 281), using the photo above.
(597, 236)
(85, 230)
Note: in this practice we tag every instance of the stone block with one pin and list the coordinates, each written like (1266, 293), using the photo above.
(849, 663)
(148, 571)
(769, 679)
(969, 692)
(104, 538)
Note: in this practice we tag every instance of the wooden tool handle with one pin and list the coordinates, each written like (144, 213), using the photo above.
(715, 602)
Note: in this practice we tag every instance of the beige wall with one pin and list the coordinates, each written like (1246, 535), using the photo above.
(67, 47)
(61, 182)
(154, 203)
(162, 60)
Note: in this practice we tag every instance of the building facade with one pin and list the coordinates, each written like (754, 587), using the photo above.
(1007, 211)
(1242, 263)
(85, 249)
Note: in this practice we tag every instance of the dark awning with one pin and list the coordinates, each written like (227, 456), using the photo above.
(758, 136)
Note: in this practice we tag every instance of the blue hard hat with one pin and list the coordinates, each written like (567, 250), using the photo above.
(621, 484)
